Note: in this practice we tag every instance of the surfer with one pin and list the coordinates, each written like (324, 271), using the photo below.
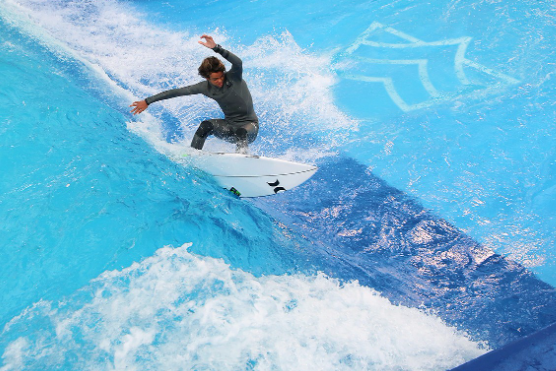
(240, 124)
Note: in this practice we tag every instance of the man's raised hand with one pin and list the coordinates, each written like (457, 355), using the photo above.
(209, 41)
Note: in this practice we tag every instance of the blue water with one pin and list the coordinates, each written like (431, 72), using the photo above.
(425, 238)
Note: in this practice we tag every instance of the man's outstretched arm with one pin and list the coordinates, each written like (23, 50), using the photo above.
(142, 105)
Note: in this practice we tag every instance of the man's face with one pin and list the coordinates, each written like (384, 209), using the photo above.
(217, 79)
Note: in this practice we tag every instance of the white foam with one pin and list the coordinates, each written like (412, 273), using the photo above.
(14, 354)
(177, 310)
(300, 83)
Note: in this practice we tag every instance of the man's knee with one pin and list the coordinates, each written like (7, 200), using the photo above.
(205, 128)
(241, 133)
(251, 131)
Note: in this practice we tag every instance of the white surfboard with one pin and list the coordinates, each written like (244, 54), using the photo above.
(253, 176)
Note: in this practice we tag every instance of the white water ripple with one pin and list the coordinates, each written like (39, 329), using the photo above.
(179, 311)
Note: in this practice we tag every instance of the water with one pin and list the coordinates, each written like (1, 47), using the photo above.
(418, 245)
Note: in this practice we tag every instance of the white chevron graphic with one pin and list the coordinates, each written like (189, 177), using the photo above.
(410, 42)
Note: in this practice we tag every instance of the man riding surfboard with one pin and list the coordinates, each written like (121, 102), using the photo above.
(240, 124)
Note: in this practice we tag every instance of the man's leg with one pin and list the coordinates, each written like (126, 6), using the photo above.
(224, 130)
(230, 133)
(204, 130)
(244, 135)
(241, 141)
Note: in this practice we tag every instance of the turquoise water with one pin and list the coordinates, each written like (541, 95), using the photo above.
(417, 246)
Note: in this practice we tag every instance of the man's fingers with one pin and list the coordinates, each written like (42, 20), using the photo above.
(137, 109)
(207, 38)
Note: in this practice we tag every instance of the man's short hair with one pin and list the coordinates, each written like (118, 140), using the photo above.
(211, 65)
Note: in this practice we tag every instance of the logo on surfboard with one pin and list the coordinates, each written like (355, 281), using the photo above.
(272, 184)
(276, 184)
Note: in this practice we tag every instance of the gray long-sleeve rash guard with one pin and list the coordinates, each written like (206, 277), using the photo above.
(233, 97)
